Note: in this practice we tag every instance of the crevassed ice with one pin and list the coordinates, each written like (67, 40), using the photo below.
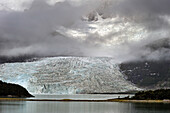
(67, 75)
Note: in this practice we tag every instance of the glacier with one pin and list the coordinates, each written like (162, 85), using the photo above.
(75, 75)
(67, 75)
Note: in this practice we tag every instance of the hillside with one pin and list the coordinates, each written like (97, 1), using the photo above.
(13, 90)
(150, 74)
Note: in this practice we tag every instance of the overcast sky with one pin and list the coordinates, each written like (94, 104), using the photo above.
(33, 31)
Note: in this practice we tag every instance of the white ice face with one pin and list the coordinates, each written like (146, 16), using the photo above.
(67, 75)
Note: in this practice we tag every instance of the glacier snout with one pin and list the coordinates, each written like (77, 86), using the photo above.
(67, 75)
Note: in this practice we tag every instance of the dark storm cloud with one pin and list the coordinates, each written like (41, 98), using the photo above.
(149, 11)
(153, 15)
(34, 30)
(138, 7)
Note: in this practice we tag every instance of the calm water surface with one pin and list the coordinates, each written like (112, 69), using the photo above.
(82, 96)
(81, 107)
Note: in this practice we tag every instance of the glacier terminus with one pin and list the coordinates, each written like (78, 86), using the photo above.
(68, 75)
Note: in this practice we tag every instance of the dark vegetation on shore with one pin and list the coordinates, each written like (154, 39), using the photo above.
(160, 94)
(13, 90)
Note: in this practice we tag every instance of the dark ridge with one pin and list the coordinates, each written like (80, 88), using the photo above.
(13, 90)
(28, 58)
(22, 58)
(149, 74)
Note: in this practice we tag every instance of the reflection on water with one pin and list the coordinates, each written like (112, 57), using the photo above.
(82, 96)
(81, 107)
(12, 107)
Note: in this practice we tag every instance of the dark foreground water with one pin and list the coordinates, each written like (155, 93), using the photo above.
(82, 107)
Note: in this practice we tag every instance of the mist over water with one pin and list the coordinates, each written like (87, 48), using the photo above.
(121, 29)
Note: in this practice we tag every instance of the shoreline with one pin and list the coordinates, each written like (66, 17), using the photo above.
(71, 100)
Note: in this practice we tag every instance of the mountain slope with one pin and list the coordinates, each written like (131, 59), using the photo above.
(151, 73)
(14, 90)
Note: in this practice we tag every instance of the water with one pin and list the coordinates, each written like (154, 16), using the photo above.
(81, 107)
(82, 96)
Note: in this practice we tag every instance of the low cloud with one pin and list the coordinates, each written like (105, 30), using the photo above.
(33, 31)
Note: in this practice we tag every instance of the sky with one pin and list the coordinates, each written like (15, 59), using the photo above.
(124, 29)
